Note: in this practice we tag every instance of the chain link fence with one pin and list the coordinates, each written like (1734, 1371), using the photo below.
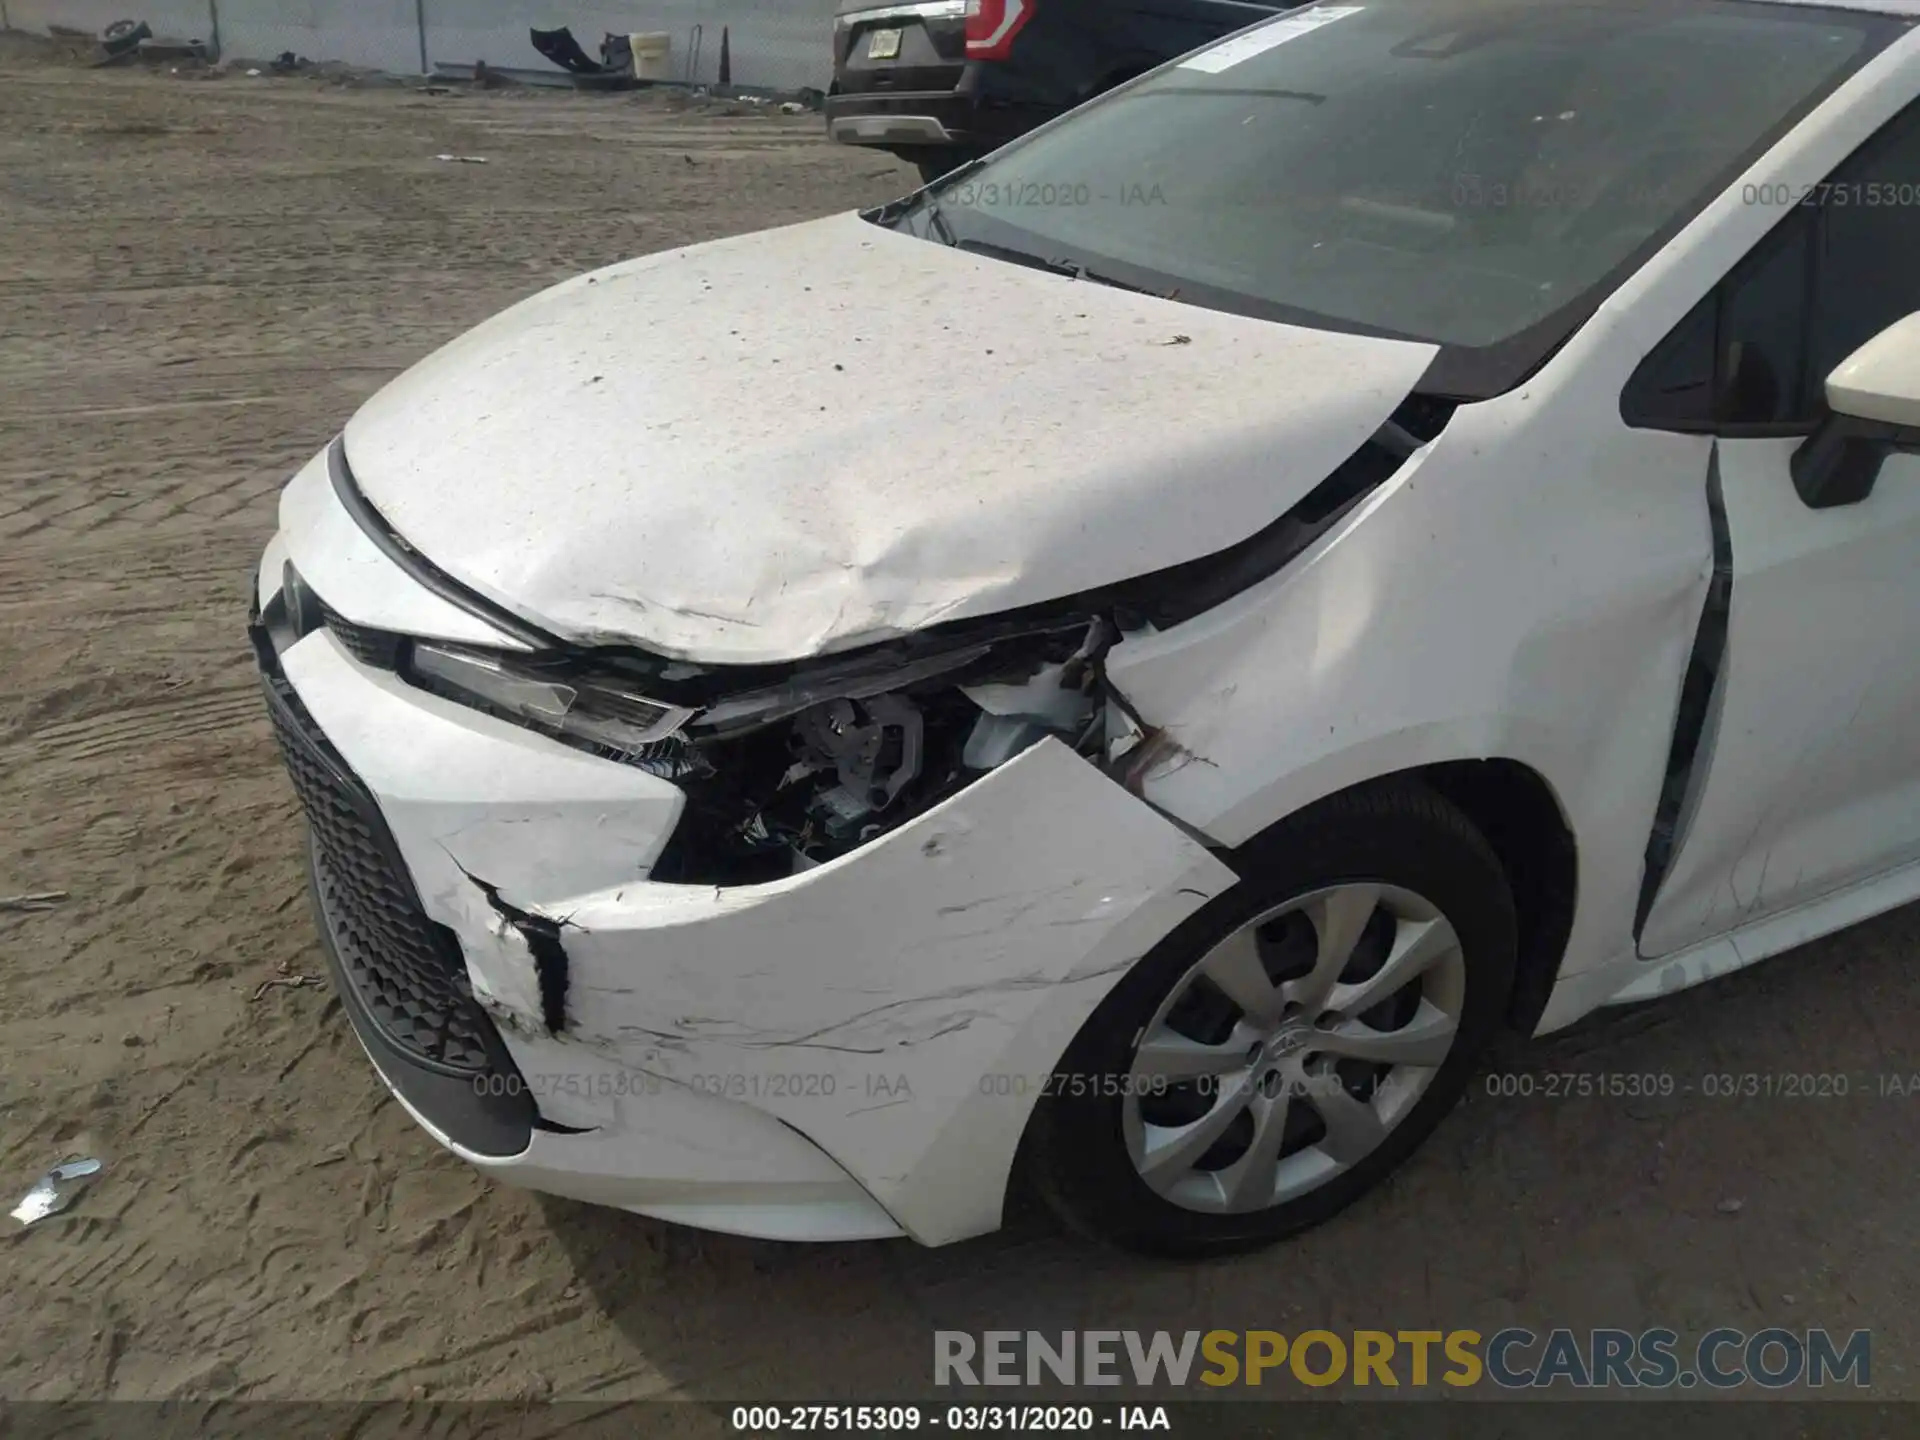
(783, 44)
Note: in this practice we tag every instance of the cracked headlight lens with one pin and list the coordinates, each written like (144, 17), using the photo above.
(600, 711)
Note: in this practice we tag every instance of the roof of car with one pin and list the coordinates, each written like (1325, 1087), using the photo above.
(1909, 8)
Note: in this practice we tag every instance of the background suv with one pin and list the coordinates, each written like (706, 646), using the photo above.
(937, 82)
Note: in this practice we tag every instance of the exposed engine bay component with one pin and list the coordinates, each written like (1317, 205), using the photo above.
(1058, 700)
(785, 797)
(874, 748)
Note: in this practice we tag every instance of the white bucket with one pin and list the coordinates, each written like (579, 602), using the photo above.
(651, 55)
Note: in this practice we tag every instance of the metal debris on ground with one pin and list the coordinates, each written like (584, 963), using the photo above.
(491, 77)
(463, 159)
(288, 980)
(41, 900)
(161, 49)
(626, 60)
(55, 1190)
(563, 50)
(122, 38)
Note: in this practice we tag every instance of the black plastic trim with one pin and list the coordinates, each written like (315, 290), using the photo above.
(294, 722)
(464, 1108)
(1841, 463)
(461, 1104)
(375, 525)
(1696, 702)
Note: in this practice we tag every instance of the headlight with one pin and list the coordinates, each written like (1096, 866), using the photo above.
(784, 771)
(593, 708)
(602, 708)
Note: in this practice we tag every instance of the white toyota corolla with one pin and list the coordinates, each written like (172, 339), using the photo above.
(1125, 670)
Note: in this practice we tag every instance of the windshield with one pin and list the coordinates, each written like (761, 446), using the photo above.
(1473, 173)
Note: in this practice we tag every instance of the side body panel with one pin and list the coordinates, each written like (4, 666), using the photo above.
(1528, 587)
(1814, 784)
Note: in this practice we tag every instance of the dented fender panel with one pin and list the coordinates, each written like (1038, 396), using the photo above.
(1563, 649)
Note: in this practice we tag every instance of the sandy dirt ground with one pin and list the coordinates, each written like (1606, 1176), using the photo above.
(199, 280)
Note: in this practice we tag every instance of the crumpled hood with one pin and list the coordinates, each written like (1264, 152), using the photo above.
(801, 440)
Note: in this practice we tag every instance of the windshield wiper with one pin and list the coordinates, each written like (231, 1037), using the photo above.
(937, 222)
(1080, 272)
(930, 201)
(922, 201)
(927, 201)
(1072, 269)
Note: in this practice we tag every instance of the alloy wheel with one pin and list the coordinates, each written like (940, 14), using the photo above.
(1293, 1047)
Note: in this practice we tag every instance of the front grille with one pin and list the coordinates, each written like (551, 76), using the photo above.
(406, 970)
(378, 648)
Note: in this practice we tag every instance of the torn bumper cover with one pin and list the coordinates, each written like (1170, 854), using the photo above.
(398, 975)
(847, 1051)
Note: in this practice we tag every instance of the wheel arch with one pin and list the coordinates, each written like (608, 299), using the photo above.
(1462, 824)
(1516, 810)
(1514, 807)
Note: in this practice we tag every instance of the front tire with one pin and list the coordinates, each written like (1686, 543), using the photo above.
(1289, 1045)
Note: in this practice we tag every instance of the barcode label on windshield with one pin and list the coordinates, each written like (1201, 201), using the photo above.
(1230, 53)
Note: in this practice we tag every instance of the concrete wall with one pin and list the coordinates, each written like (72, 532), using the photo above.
(384, 34)
(783, 43)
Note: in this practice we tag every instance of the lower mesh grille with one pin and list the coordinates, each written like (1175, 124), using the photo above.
(406, 970)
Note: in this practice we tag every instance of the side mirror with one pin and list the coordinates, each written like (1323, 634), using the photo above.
(1873, 397)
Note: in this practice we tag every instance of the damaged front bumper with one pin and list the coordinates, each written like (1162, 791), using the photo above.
(849, 1051)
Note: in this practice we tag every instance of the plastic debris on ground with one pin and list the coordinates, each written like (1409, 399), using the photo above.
(55, 1190)
(38, 900)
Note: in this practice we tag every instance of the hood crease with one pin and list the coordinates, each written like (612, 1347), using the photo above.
(794, 442)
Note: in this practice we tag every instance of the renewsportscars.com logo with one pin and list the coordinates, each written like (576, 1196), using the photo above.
(1511, 1359)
